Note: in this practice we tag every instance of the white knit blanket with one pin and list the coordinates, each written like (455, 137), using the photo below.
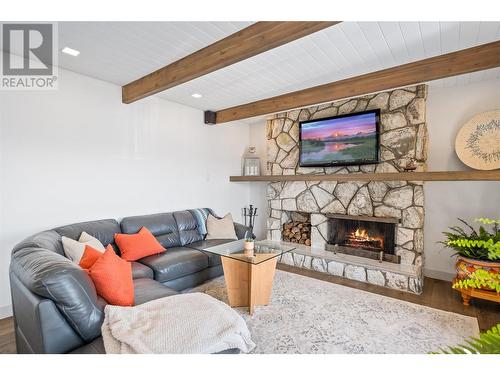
(184, 323)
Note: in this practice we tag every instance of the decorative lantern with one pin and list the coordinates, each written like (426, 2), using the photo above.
(251, 163)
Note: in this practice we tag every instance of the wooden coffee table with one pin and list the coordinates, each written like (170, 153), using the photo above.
(249, 279)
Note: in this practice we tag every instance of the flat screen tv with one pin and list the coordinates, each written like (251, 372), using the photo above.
(340, 140)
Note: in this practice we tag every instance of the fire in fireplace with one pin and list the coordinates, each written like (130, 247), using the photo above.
(365, 236)
(362, 239)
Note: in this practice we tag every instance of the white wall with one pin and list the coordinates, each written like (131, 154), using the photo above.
(258, 196)
(448, 109)
(79, 154)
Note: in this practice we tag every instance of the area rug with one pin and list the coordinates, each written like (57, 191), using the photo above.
(306, 315)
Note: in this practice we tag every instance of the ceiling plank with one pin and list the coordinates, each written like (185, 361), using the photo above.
(486, 56)
(250, 41)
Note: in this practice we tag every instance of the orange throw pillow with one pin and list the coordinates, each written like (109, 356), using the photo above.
(139, 245)
(112, 277)
(90, 256)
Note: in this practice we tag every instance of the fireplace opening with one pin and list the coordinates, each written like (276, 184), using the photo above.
(297, 228)
(369, 237)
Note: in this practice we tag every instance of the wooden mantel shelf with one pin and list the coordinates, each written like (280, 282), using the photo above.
(402, 176)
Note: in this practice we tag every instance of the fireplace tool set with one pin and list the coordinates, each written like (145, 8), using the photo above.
(249, 213)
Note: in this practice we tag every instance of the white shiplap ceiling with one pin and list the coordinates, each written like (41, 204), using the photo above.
(120, 52)
(345, 50)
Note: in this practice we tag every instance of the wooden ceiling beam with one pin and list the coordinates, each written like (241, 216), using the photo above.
(486, 56)
(250, 41)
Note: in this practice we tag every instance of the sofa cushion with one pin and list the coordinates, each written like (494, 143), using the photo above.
(74, 249)
(213, 259)
(220, 228)
(146, 290)
(140, 271)
(90, 256)
(188, 227)
(162, 226)
(175, 262)
(103, 230)
(138, 245)
(112, 277)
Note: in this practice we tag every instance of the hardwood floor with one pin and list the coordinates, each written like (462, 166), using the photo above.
(437, 294)
(7, 340)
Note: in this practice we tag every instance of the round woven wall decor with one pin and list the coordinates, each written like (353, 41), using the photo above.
(478, 142)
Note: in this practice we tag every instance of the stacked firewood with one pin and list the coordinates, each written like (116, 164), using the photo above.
(297, 232)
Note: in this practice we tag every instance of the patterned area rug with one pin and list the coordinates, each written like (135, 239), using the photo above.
(312, 316)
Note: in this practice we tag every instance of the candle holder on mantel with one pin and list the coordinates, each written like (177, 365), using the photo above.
(251, 163)
(249, 213)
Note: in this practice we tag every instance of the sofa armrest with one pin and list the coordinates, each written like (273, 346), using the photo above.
(52, 276)
(241, 229)
(39, 326)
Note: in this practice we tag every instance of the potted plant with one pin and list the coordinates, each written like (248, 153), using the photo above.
(478, 261)
(248, 246)
(480, 279)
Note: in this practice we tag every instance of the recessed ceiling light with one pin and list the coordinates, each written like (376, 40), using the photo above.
(197, 96)
(70, 51)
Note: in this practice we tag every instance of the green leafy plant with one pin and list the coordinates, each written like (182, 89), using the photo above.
(478, 280)
(481, 244)
(487, 343)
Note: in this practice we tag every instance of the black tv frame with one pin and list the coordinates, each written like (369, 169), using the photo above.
(340, 164)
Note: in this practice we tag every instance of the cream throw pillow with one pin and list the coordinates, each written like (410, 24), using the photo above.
(74, 249)
(222, 229)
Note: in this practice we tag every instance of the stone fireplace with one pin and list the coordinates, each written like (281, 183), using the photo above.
(403, 139)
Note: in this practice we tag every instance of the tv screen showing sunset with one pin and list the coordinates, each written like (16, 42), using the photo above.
(342, 140)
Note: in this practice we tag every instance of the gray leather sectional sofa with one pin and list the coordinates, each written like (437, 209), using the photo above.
(56, 308)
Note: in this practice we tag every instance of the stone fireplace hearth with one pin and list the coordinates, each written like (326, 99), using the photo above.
(403, 138)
